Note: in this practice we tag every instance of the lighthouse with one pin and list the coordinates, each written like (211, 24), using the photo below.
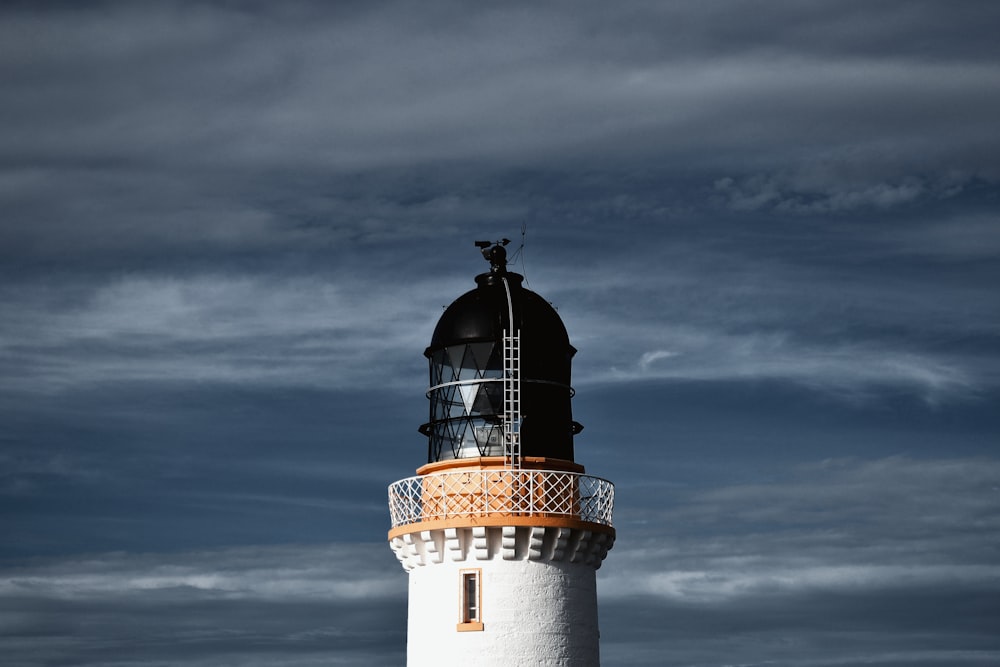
(501, 531)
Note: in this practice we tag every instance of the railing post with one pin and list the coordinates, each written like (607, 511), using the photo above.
(531, 494)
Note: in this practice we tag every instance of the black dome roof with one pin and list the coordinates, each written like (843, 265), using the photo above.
(482, 314)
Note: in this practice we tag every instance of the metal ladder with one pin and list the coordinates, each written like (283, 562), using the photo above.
(512, 399)
(511, 388)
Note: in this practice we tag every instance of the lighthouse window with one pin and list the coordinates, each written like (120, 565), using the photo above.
(471, 601)
(471, 597)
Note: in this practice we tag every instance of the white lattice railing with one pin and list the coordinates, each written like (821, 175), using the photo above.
(544, 493)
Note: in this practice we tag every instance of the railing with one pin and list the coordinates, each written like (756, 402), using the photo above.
(485, 493)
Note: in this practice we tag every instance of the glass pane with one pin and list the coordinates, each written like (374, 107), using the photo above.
(470, 612)
(490, 399)
(482, 354)
(469, 392)
(455, 354)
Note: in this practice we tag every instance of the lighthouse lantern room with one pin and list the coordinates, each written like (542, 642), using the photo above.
(501, 531)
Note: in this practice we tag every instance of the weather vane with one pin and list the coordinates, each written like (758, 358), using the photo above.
(495, 254)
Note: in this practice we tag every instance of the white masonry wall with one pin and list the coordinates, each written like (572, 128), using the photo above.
(532, 613)
(539, 605)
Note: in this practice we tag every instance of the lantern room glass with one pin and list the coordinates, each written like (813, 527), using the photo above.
(467, 404)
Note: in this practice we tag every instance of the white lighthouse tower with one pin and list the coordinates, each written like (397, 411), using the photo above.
(501, 531)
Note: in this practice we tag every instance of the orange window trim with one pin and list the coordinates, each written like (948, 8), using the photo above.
(470, 612)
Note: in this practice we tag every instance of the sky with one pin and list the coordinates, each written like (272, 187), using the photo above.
(228, 229)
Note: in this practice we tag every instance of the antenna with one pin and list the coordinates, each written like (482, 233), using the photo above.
(518, 254)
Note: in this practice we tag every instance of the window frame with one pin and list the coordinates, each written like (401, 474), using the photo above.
(470, 603)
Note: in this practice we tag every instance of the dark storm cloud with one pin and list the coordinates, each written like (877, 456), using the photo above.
(229, 139)
(123, 107)
(229, 228)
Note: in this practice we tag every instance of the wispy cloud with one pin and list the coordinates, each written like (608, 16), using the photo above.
(233, 606)
(770, 193)
(751, 319)
(840, 551)
(845, 369)
(216, 328)
(835, 550)
(338, 334)
(334, 573)
(568, 85)
(836, 526)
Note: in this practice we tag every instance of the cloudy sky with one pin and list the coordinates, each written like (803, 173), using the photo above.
(228, 229)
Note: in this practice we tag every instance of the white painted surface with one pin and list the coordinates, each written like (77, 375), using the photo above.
(537, 543)
(533, 613)
(538, 592)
